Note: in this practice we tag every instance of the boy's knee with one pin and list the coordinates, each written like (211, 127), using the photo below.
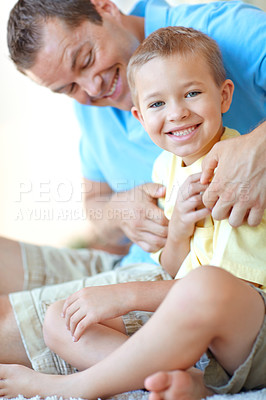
(208, 289)
(52, 323)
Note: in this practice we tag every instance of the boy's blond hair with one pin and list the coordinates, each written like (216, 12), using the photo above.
(176, 40)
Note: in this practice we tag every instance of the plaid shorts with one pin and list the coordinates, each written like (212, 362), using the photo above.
(53, 274)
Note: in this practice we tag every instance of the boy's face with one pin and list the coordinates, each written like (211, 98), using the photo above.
(180, 105)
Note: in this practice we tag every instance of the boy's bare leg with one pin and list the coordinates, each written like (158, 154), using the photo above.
(11, 268)
(97, 342)
(208, 308)
(11, 347)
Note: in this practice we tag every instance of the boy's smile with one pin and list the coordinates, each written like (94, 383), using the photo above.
(180, 105)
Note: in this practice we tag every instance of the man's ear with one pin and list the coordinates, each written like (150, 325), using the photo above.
(105, 6)
(137, 114)
(227, 91)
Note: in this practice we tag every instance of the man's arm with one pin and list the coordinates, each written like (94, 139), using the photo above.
(238, 188)
(133, 214)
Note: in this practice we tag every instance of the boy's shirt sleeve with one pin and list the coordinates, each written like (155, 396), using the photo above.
(241, 251)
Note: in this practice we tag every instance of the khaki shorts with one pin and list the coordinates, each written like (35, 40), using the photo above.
(250, 375)
(47, 266)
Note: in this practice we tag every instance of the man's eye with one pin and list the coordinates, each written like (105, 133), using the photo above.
(71, 88)
(193, 93)
(157, 104)
(87, 62)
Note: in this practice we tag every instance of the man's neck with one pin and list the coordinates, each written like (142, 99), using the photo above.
(135, 25)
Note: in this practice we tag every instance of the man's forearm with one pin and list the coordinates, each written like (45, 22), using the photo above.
(104, 220)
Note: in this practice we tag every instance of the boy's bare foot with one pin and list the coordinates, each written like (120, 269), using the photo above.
(181, 385)
(17, 379)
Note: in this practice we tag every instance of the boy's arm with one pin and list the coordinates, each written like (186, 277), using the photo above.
(95, 304)
(187, 211)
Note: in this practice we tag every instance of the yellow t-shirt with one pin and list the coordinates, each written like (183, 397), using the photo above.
(241, 251)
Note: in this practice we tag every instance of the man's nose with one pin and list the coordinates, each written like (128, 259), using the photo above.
(91, 85)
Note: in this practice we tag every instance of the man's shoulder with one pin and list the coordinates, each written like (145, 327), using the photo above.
(201, 16)
(94, 115)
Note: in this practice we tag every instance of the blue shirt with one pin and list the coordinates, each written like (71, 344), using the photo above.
(114, 147)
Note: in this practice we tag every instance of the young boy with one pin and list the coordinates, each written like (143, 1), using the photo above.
(180, 91)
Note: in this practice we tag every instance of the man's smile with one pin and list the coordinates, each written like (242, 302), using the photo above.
(114, 85)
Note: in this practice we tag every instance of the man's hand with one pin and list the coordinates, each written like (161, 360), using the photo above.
(238, 188)
(142, 221)
(132, 213)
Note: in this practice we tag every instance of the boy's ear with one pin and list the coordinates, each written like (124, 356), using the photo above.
(137, 114)
(227, 91)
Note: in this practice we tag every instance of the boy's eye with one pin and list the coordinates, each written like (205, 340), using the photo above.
(192, 94)
(157, 104)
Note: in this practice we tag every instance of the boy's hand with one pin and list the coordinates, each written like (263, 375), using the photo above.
(188, 209)
(91, 305)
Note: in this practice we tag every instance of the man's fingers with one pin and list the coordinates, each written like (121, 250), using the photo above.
(151, 243)
(209, 164)
(156, 215)
(237, 215)
(154, 190)
(255, 216)
(221, 210)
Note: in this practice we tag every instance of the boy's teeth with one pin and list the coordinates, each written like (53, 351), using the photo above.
(184, 132)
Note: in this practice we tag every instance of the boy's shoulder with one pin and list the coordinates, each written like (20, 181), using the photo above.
(229, 133)
(162, 165)
(164, 160)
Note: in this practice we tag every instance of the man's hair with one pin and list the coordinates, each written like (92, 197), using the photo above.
(176, 40)
(26, 21)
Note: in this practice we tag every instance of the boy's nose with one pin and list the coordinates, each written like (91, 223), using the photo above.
(178, 113)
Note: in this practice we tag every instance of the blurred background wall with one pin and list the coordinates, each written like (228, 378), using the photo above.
(40, 176)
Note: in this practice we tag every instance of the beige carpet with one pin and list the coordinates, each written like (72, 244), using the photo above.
(141, 395)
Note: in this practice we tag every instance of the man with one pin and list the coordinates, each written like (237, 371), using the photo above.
(85, 57)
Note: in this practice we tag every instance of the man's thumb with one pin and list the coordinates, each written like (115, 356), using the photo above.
(155, 190)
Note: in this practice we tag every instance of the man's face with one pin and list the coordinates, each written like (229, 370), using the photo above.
(89, 62)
